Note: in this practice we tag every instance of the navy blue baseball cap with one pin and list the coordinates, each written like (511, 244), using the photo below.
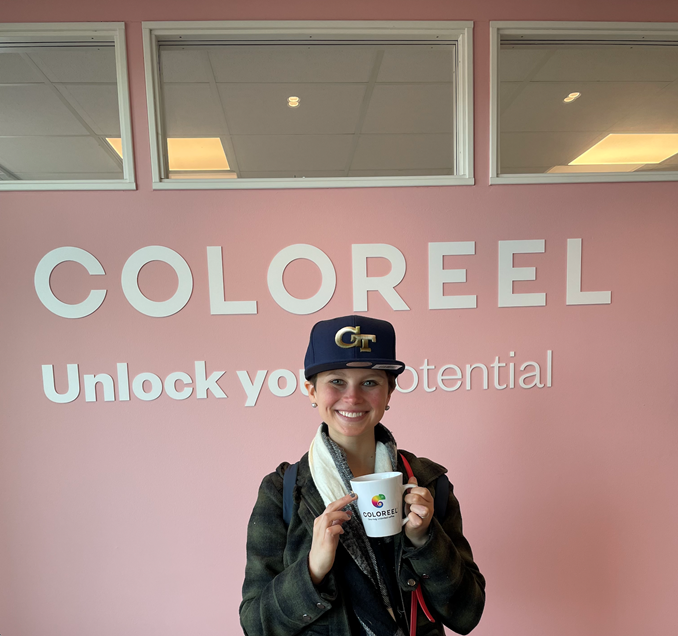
(351, 342)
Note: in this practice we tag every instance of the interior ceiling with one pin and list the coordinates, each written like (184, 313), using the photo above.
(364, 110)
(57, 106)
(624, 89)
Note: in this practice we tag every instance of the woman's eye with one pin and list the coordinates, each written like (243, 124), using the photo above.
(337, 382)
(370, 383)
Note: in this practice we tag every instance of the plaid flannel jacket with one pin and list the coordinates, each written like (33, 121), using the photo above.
(279, 598)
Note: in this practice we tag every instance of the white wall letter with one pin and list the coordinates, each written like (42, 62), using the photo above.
(218, 305)
(575, 296)
(90, 382)
(415, 381)
(138, 386)
(130, 283)
(508, 273)
(276, 287)
(438, 276)
(385, 285)
(204, 384)
(49, 386)
(44, 270)
(252, 389)
(442, 377)
(290, 383)
(171, 385)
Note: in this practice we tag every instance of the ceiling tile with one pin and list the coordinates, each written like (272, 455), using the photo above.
(292, 152)
(77, 64)
(404, 152)
(55, 155)
(544, 149)
(14, 69)
(183, 65)
(34, 109)
(263, 109)
(191, 111)
(417, 64)
(292, 63)
(410, 108)
(516, 64)
(100, 102)
(540, 106)
(625, 63)
(657, 115)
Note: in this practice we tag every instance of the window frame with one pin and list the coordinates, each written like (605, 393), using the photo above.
(458, 33)
(616, 31)
(85, 31)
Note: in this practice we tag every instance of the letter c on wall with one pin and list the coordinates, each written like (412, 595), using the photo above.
(44, 270)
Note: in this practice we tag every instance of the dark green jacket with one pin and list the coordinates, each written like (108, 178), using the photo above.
(279, 598)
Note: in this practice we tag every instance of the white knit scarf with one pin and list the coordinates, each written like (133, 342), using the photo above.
(324, 470)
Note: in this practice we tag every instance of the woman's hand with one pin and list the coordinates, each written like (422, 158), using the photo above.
(420, 514)
(326, 531)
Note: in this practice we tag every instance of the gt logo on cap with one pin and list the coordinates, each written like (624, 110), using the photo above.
(357, 339)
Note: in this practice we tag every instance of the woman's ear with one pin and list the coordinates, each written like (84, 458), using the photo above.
(310, 389)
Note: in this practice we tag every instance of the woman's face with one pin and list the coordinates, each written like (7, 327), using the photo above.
(350, 401)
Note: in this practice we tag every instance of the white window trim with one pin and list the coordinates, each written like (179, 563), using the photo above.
(597, 30)
(104, 31)
(459, 33)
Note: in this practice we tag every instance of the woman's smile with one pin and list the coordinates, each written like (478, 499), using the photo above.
(350, 401)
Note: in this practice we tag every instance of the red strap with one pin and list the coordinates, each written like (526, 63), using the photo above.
(417, 595)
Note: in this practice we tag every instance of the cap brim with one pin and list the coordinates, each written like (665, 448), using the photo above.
(394, 367)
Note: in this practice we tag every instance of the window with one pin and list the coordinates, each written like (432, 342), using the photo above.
(309, 104)
(64, 107)
(576, 102)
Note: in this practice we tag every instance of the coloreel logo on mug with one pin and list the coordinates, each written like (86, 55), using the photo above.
(383, 491)
(378, 501)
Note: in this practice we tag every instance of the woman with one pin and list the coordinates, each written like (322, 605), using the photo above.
(319, 573)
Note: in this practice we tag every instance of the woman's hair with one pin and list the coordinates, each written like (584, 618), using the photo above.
(389, 377)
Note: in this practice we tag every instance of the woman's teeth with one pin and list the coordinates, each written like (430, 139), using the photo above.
(352, 414)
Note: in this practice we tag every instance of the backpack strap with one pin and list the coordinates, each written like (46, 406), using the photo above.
(289, 481)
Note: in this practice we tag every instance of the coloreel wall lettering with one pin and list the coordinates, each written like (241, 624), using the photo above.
(385, 285)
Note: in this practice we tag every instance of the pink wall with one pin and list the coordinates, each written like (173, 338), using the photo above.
(130, 517)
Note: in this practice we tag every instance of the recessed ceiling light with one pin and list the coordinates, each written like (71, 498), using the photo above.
(571, 97)
(630, 149)
(293, 101)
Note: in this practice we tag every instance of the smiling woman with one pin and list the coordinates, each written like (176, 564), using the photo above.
(311, 566)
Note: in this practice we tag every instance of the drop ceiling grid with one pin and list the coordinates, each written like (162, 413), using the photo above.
(622, 87)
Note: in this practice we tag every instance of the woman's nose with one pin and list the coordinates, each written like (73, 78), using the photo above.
(353, 393)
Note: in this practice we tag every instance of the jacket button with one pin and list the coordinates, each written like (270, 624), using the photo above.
(412, 583)
(320, 606)
(306, 618)
(425, 576)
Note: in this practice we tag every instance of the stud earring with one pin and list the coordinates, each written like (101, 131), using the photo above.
(314, 405)
(387, 408)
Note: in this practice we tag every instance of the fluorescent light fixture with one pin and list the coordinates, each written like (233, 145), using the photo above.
(205, 153)
(202, 154)
(571, 97)
(620, 167)
(194, 174)
(630, 149)
(116, 144)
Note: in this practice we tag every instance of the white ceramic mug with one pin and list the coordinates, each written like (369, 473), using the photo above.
(380, 502)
